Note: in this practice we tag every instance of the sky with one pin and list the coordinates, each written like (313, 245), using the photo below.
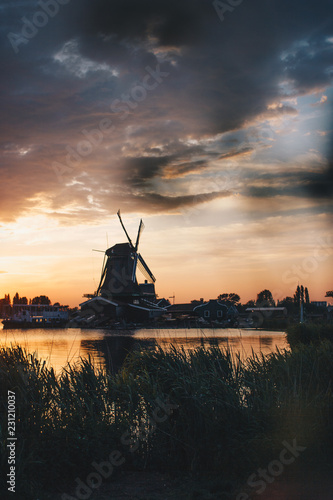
(211, 121)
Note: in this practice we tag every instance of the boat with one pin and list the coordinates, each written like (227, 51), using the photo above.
(37, 316)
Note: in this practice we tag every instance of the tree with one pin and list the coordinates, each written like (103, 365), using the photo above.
(286, 300)
(41, 300)
(307, 298)
(19, 300)
(301, 295)
(4, 306)
(289, 304)
(197, 302)
(16, 298)
(297, 296)
(265, 299)
(6, 299)
(230, 299)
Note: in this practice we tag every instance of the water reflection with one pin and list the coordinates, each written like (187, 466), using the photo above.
(108, 349)
(112, 350)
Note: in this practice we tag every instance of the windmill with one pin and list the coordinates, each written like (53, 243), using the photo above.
(118, 279)
(119, 296)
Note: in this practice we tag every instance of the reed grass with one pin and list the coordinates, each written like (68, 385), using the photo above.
(309, 333)
(229, 416)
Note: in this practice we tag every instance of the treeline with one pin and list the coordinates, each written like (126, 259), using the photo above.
(265, 299)
(41, 299)
(6, 303)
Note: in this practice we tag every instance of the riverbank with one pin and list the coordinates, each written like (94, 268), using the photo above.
(201, 415)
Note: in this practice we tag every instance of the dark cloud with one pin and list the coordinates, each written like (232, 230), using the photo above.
(236, 152)
(140, 170)
(307, 64)
(320, 185)
(316, 185)
(221, 76)
(154, 201)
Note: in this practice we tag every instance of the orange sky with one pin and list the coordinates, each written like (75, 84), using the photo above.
(188, 260)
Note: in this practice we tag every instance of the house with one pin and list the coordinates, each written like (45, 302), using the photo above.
(181, 310)
(163, 302)
(317, 303)
(233, 312)
(213, 310)
(272, 312)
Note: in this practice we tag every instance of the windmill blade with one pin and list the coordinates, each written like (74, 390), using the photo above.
(122, 225)
(145, 269)
(134, 268)
(102, 274)
(141, 228)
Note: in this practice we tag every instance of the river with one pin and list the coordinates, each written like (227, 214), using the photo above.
(109, 348)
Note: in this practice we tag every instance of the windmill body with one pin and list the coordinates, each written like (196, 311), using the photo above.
(118, 279)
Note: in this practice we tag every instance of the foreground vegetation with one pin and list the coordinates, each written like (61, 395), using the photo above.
(202, 413)
(309, 333)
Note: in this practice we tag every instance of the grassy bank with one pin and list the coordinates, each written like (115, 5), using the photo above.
(309, 333)
(200, 413)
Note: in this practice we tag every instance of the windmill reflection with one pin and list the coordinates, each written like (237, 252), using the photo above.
(110, 352)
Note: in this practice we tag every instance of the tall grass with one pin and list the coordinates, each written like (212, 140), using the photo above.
(228, 417)
(309, 333)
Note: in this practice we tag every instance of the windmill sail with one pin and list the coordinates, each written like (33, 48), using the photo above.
(122, 225)
(141, 228)
(102, 275)
(145, 270)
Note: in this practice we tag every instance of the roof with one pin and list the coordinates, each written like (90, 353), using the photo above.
(152, 305)
(165, 302)
(119, 249)
(99, 299)
(181, 308)
(251, 309)
(210, 302)
(148, 288)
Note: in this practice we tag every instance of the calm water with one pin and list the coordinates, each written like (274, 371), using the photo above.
(109, 348)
